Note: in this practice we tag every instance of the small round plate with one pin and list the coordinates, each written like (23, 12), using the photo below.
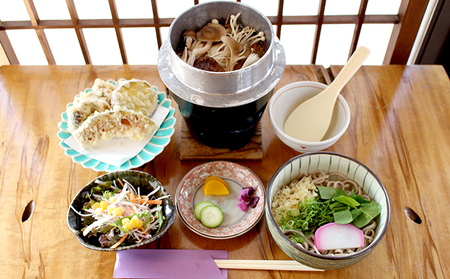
(213, 237)
(154, 147)
(235, 222)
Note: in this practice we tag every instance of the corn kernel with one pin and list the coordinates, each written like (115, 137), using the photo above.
(104, 205)
(117, 211)
(99, 210)
(136, 223)
(125, 220)
(95, 206)
(112, 199)
(128, 226)
(110, 209)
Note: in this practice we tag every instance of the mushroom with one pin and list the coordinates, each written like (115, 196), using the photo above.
(189, 37)
(210, 33)
(238, 51)
(215, 48)
(184, 55)
(234, 25)
(252, 58)
(221, 53)
(257, 38)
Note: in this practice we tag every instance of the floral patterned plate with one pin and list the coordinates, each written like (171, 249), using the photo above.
(154, 147)
(235, 222)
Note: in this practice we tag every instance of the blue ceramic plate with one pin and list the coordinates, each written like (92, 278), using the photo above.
(155, 146)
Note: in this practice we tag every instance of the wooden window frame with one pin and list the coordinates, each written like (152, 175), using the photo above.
(406, 25)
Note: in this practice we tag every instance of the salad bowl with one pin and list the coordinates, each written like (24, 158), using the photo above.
(146, 183)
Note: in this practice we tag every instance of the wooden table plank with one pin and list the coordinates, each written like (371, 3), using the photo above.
(399, 129)
(406, 144)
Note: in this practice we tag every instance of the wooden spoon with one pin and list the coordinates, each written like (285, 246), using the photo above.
(311, 119)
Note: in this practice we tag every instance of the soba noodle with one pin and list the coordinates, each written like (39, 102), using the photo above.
(304, 187)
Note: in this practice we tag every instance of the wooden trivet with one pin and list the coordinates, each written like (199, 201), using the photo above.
(191, 149)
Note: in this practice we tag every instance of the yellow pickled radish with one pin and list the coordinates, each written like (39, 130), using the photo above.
(215, 187)
(218, 179)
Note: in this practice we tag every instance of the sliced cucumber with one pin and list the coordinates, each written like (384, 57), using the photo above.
(211, 216)
(198, 208)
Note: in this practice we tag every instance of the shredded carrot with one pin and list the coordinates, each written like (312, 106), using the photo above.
(134, 207)
(152, 202)
(143, 199)
(142, 229)
(132, 196)
(119, 242)
(120, 181)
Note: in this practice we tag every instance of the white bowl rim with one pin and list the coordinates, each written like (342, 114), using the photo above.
(301, 142)
(301, 249)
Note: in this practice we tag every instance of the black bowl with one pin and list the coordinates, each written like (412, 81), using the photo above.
(137, 179)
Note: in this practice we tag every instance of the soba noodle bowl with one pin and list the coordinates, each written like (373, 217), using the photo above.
(304, 187)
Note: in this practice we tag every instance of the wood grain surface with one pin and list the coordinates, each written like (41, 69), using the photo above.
(193, 150)
(400, 129)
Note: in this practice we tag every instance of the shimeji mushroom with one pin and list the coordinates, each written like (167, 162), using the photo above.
(184, 55)
(190, 42)
(220, 52)
(252, 58)
(238, 51)
(234, 25)
(227, 46)
(189, 37)
(209, 34)
(246, 37)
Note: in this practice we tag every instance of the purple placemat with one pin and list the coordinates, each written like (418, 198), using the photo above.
(168, 263)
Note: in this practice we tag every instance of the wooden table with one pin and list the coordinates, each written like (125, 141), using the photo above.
(400, 129)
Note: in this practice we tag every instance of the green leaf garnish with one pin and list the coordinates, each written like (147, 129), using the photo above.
(368, 212)
(343, 217)
(326, 193)
(347, 200)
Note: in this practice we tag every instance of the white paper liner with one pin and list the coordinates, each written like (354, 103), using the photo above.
(118, 150)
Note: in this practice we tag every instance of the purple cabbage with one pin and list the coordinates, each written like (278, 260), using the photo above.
(247, 198)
